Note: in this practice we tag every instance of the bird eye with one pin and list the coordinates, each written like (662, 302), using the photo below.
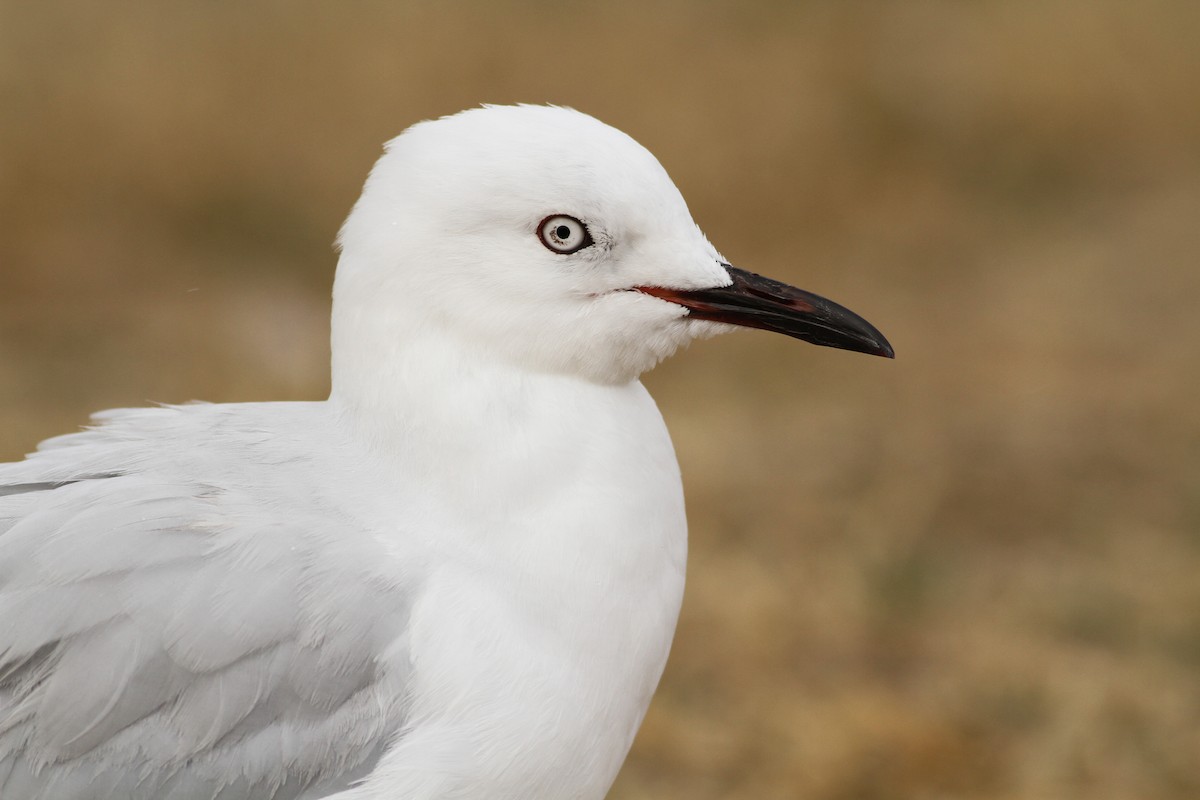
(563, 234)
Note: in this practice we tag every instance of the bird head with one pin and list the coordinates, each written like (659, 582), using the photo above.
(542, 237)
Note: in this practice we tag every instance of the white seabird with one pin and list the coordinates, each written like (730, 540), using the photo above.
(459, 576)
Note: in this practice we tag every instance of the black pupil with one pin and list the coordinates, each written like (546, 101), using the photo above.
(562, 231)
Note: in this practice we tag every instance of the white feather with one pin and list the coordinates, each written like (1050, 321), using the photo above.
(457, 577)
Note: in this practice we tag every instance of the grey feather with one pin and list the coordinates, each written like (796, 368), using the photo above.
(166, 632)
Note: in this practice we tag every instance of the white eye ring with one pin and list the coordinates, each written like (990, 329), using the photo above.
(564, 235)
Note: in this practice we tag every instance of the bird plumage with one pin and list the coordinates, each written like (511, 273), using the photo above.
(459, 576)
(166, 592)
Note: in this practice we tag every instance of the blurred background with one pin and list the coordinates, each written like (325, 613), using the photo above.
(973, 572)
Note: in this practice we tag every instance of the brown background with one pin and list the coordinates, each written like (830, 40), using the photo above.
(970, 573)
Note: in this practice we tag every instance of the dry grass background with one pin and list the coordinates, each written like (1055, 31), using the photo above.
(970, 573)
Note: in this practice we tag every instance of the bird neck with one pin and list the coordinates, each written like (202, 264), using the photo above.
(429, 390)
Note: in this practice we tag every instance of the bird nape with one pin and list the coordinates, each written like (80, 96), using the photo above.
(459, 575)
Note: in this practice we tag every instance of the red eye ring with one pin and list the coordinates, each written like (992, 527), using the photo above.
(563, 234)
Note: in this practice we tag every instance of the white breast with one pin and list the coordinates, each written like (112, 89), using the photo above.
(543, 616)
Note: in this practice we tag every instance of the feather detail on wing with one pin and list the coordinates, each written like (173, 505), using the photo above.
(161, 633)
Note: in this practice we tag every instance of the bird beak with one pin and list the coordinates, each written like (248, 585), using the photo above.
(753, 301)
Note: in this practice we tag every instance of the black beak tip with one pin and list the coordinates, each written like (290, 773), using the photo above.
(881, 346)
(872, 346)
(861, 336)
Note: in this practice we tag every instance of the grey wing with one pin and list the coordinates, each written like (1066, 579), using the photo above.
(179, 642)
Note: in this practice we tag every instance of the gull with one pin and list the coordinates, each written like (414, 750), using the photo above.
(459, 575)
